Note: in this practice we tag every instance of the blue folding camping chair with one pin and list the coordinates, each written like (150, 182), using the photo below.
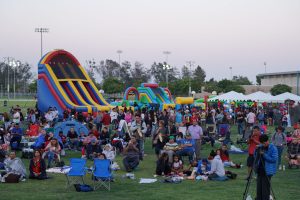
(77, 171)
(102, 174)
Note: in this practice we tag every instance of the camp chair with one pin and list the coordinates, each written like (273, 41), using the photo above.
(102, 174)
(77, 171)
(211, 128)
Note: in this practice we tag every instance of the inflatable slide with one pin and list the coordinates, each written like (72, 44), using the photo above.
(63, 83)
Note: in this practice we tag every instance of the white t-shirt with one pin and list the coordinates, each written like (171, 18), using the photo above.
(113, 115)
(16, 117)
(251, 118)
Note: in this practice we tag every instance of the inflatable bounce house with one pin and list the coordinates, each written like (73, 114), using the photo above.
(150, 94)
(63, 83)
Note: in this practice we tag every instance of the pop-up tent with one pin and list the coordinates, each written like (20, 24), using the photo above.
(229, 96)
(260, 96)
(288, 96)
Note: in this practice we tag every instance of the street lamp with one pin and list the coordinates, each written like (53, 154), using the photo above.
(265, 64)
(42, 30)
(167, 68)
(14, 64)
(231, 73)
(190, 63)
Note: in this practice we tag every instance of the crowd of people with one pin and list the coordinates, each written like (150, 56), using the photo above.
(175, 134)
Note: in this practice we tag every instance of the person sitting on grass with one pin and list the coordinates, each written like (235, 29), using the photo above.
(72, 138)
(162, 165)
(37, 167)
(14, 168)
(52, 151)
(217, 168)
(177, 166)
(131, 153)
(17, 134)
(93, 148)
(224, 154)
(187, 148)
(109, 152)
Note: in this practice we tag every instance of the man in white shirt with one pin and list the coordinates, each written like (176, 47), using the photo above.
(250, 118)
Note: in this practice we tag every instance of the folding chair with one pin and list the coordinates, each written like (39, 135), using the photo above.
(77, 171)
(102, 175)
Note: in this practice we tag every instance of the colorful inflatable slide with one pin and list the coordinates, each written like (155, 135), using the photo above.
(63, 83)
(151, 93)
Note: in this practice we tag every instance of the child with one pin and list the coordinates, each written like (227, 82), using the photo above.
(109, 152)
(162, 165)
(177, 166)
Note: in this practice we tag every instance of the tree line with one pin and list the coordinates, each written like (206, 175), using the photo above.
(117, 77)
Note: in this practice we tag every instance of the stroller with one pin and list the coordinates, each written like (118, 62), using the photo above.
(293, 155)
(242, 142)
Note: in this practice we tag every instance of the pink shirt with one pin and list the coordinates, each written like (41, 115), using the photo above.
(128, 117)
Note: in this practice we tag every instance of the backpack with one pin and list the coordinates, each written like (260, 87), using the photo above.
(83, 188)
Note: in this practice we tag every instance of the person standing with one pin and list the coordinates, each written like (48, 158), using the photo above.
(196, 132)
(266, 156)
(279, 140)
(138, 129)
(252, 142)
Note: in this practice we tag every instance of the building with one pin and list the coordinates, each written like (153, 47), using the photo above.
(291, 79)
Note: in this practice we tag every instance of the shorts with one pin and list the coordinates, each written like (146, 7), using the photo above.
(250, 161)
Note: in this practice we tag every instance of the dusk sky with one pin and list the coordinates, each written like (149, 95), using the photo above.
(216, 34)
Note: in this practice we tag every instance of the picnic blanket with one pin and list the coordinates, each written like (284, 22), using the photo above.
(59, 170)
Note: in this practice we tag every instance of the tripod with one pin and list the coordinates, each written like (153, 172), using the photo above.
(258, 159)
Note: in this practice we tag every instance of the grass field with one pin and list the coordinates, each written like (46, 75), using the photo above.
(285, 184)
(24, 104)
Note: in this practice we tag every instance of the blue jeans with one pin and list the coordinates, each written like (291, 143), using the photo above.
(186, 152)
(141, 148)
(240, 128)
(279, 149)
(50, 156)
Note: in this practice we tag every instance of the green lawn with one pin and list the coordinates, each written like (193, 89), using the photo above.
(24, 104)
(285, 184)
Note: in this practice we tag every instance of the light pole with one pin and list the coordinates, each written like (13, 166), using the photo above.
(42, 30)
(231, 73)
(167, 53)
(190, 63)
(8, 62)
(119, 53)
(167, 68)
(15, 64)
(265, 64)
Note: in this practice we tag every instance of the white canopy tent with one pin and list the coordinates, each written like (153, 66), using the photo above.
(288, 96)
(260, 96)
(229, 96)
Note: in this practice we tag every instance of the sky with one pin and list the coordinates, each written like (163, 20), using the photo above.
(215, 34)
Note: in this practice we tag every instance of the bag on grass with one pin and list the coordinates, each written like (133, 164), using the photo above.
(60, 163)
(83, 188)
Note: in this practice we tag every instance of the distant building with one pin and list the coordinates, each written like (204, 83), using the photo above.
(291, 79)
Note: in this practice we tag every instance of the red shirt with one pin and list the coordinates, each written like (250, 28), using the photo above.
(224, 156)
(96, 133)
(253, 141)
(36, 166)
(106, 119)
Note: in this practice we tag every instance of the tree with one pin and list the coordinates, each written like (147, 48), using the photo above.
(199, 75)
(159, 73)
(258, 80)
(185, 72)
(108, 68)
(139, 74)
(32, 87)
(280, 88)
(228, 85)
(112, 85)
(212, 85)
(22, 76)
(241, 80)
